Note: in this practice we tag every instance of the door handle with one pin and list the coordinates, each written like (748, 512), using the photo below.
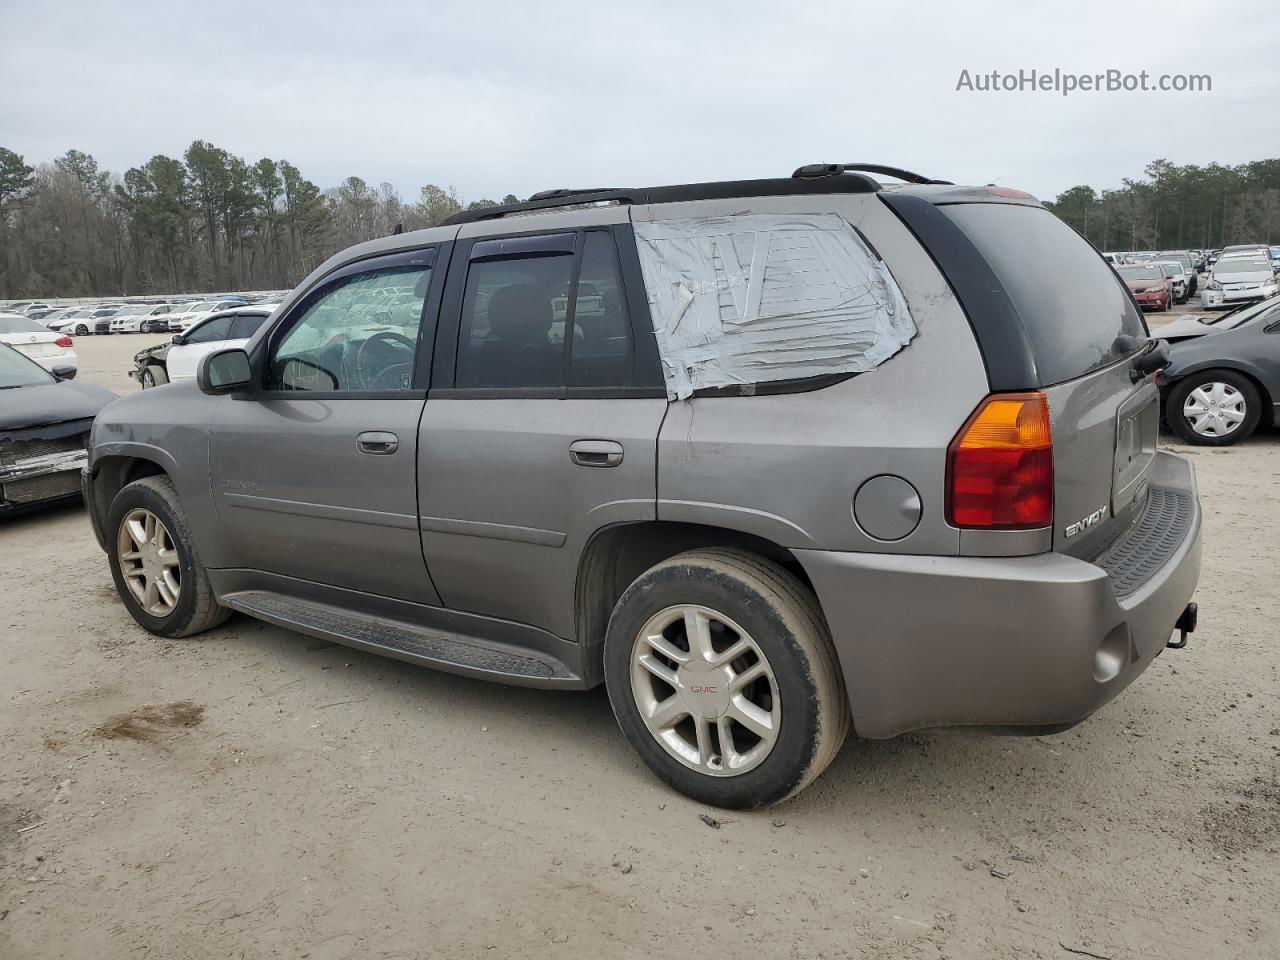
(595, 453)
(377, 442)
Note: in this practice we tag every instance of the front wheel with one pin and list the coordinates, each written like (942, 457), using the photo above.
(157, 571)
(1214, 408)
(81, 330)
(722, 675)
(153, 376)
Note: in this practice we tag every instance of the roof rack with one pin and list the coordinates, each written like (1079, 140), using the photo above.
(812, 171)
(717, 190)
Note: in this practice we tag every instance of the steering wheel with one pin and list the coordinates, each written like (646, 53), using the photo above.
(389, 377)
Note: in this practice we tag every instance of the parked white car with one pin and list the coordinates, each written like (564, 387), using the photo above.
(128, 319)
(32, 338)
(1239, 279)
(177, 360)
(204, 309)
(180, 312)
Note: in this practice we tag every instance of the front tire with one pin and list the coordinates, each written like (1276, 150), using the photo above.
(81, 330)
(1214, 408)
(153, 376)
(722, 676)
(157, 571)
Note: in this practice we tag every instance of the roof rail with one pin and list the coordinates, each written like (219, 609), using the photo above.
(561, 193)
(814, 170)
(716, 190)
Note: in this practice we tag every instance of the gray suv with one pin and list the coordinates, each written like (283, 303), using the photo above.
(769, 459)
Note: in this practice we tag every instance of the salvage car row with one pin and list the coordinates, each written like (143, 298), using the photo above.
(153, 315)
(1237, 274)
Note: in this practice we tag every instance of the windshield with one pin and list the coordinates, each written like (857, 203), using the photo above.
(1171, 269)
(13, 324)
(133, 308)
(1242, 265)
(17, 371)
(1137, 272)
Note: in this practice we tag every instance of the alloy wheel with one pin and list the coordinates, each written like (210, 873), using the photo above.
(705, 690)
(1214, 409)
(149, 562)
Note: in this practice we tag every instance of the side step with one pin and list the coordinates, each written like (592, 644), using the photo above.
(451, 652)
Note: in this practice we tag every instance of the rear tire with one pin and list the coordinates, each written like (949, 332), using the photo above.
(194, 608)
(81, 330)
(690, 734)
(1234, 395)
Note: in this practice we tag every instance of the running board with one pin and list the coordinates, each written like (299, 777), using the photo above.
(442, 650)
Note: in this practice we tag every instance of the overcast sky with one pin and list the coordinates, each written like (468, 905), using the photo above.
(496, 97)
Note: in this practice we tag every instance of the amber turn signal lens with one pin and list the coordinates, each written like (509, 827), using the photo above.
(1000, 465)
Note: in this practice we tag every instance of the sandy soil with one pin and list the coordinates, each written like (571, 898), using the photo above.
(257, 793)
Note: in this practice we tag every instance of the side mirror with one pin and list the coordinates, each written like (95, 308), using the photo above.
(224, 371)
(64, 373)
(1153, 359)
(177, 339)
(299, 374)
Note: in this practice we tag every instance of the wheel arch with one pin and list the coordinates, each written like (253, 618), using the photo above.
(617, 554)
(111, 473)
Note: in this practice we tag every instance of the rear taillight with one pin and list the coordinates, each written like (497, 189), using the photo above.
(1000, 465)
(63, 342)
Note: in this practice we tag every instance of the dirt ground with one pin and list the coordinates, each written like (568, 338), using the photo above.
(257, 793)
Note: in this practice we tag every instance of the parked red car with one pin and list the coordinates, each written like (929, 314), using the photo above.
(1148, 284)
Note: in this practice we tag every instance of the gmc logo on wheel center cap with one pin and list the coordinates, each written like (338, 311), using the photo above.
(704, 688)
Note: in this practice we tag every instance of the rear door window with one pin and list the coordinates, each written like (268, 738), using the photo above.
(1078, 316)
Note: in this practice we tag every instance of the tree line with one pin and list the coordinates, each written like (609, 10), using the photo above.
(1176, 207)
(211, 221)
(207, 222)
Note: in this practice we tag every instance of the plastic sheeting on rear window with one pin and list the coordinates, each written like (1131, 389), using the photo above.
(755, 298)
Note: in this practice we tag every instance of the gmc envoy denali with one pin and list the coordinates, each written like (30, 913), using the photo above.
(767, 458)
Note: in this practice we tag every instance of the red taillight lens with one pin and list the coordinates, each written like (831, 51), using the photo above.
(63, 342)
(1000, 465)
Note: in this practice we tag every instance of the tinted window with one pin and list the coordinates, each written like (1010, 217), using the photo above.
(512, 333)
(359, 333)
(219, 328)
(600, 355)
(246, 325)
(1073, 308)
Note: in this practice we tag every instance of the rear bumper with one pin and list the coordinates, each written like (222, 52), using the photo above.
(1039, 641)
(67, 359)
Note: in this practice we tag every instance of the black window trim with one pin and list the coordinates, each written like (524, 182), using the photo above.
(645, 375)
(436, 256)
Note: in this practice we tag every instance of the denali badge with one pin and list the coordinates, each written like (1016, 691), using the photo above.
(1086, 523)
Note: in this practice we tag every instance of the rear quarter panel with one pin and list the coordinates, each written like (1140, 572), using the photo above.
(786, 467)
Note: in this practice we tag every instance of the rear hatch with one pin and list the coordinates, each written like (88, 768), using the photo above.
(1083, 332)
